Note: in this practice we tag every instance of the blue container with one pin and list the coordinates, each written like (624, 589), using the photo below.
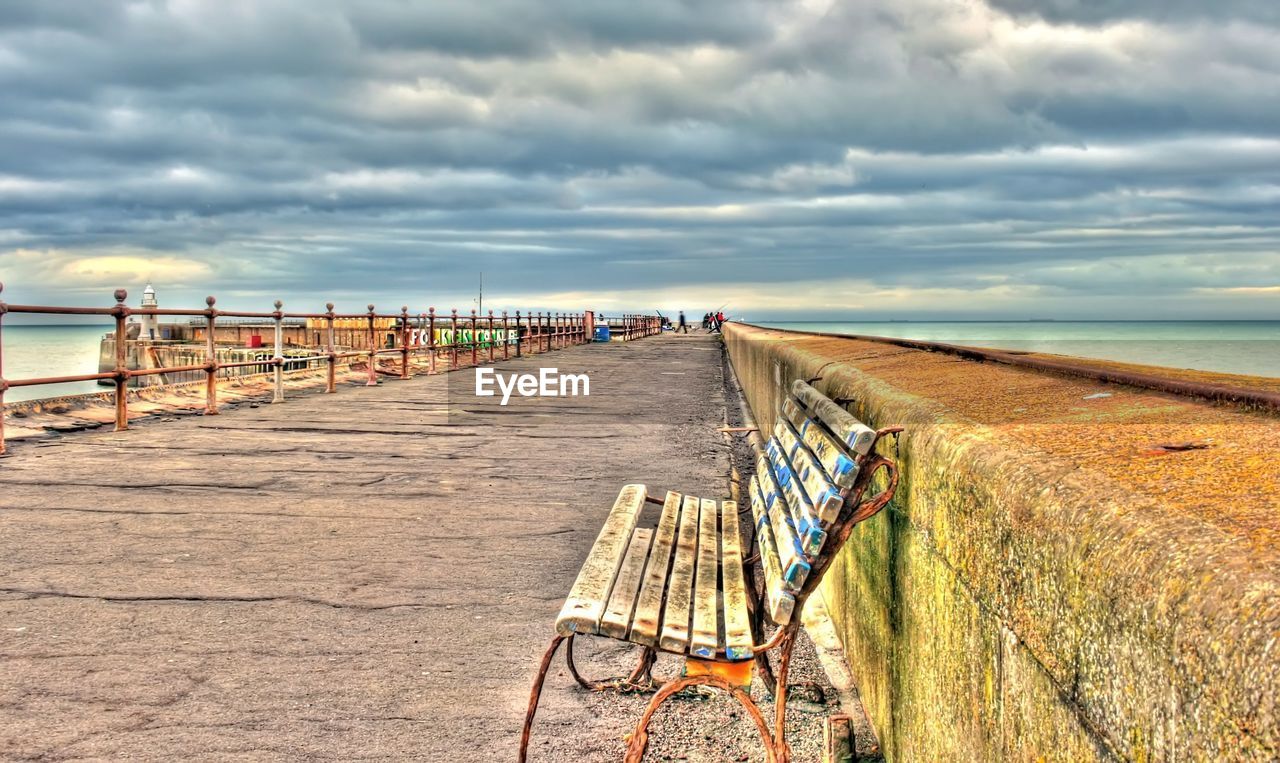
(602, 332)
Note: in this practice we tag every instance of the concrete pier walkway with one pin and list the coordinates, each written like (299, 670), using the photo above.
(350, 576)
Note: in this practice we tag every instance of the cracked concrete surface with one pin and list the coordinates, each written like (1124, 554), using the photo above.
(351, 576)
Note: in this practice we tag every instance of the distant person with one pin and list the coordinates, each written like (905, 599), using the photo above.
(684, 326)
(719, 320)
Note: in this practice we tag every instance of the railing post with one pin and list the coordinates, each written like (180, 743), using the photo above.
(506, 337)
(332, 383)
(475, 347)
(404, 341)
(122, 362)
(453, 339)
(4, 385)
(431, 337)
(423, 340)
(278, 360)
(492, 338)
(373, 353)
(519, 337)
(210, 359)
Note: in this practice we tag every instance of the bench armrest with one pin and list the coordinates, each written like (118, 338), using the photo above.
(869, 507)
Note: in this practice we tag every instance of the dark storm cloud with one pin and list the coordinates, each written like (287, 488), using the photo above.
(920, 155)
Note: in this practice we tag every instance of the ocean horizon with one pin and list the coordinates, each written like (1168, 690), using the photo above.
(1238, 347)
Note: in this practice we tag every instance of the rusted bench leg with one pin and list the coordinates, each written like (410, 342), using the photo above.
(640, 737)
(756, 609)
(535, 694)
(641, 677)
(782, 749)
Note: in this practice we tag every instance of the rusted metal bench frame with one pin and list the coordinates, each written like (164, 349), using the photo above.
(853, 510)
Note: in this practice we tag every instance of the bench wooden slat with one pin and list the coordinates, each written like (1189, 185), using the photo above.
(840, 468)
(586, 601)
(704, 640)
(644, 626)
(857, 437)
(778, 603)
(675, 617)
(791, 551)
(617, 616)
(822, 493)
(809, 520)
(737, 625)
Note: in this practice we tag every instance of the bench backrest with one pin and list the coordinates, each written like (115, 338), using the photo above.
(806, 493)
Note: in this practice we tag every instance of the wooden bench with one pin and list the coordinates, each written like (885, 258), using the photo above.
(682, 585)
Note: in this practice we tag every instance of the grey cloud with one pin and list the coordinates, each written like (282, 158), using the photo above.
(327, 148)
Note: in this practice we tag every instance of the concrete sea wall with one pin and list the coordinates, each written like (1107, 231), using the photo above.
(1013, 605)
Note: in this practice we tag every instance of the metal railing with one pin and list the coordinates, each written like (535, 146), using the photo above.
(634, 325)
(414, 335)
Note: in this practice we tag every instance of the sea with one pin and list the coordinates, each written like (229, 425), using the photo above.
(1233, 347)
(1237, 347)
(43, 351)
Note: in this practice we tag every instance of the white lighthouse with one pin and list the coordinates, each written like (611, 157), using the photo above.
(150, 324)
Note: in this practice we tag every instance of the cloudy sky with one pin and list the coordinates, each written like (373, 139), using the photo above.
(913, 158)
